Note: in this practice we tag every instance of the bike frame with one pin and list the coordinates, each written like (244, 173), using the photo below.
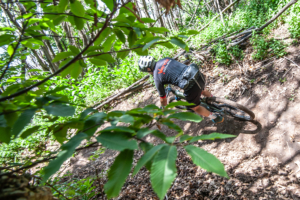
(211, 107)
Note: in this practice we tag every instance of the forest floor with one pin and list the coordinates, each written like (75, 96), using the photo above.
(263, 165)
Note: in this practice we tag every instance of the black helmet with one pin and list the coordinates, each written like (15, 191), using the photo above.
(146, 62)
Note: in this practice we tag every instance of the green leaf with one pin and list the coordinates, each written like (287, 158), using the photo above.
(11, 118)
(118, 173)
(137, 30)
(179, 103)
(97, 62)
(126, 119)
(140, 52)
(59, 19)
(76, 70)
(93, 122)
(146, 158)
(192, 32)
(60, 133)
(117, 141)
(29, 131)
(166, 44)
(22, 121)
(62, 55)
(86, 112)
(185, 137)
(5, 134)
(6, 39)
(58, 109)
(212, 136)
(10, 50)
(206, 160)
(163, 170)
(106, 57)
(186, 116)
(6, 29)
(158, 29)
(179, 43)
(131, 38)
(109, 4)
(67, 151)
(122, 55)
(123, 129)
(117, 45)
(148, 20)
(69, 69)
(143, 132)
(3, 122)
(109, 42)
(62, 6)
(120, 35)
(150, 43)
(171, 125)
(79, 22)
(102, 36)
(77, 8)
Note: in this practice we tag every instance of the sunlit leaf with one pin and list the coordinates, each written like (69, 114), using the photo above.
(23, 121)
(186, 116)
(59, 109)
(77, 8)
(206, 160)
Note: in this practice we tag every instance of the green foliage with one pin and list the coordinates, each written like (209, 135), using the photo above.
(264, 47)
(221, 53)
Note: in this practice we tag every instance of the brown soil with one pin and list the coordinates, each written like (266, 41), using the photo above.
(264, 165)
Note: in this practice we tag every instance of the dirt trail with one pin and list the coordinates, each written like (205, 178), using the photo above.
(265, 165)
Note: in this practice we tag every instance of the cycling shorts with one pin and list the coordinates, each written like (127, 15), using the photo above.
(193, 95)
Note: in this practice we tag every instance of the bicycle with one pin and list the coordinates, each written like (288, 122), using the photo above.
(220, 106)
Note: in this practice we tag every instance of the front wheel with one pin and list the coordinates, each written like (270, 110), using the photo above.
(232, 108)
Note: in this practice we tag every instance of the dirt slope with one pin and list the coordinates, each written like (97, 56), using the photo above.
(265, 165)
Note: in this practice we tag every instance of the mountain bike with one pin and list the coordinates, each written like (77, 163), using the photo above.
(220, 106)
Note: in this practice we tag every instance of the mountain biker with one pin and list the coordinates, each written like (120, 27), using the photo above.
(188, 78)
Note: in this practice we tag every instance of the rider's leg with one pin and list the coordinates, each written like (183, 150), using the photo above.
(201, 111)
(206, 93)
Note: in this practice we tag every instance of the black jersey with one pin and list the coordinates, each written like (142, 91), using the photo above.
(167, 71)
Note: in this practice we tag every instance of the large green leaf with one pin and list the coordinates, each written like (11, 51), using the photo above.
(192, 32)
(148, 20)
(109, 4)
(171, 125)
(76, 70)
(163, 170)
(158, 29)
(93, 122)
(67, 151)
(59, 109)
(77, 8)
(146, 158)
(74, 49)
(117, 141)
(123, 129)
(212, 136)
(179, 43)
(185, 137)
(62, 55)
(109, 42)
(5, 134)
(167, 44)
(140, 52)
(132, 37)
(123, 54)
(59, 19)
(22, 121)
(79, 22)
(118, 173)
(86, 112)
(106, 57)
(3, 122)
(6, 39)
(143, 132)
(102, 36)
(206, 160)
(151, 43)
(186, 116)
(62, 6)
(29, 131)
(98, 62)
(120, 35)
(179, 103)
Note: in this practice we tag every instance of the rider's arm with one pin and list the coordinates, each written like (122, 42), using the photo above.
(163, 101)
(161, 91)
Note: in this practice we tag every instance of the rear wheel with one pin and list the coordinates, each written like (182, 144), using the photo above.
(232, 108)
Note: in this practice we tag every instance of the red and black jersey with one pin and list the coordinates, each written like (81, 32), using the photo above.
(167, 71)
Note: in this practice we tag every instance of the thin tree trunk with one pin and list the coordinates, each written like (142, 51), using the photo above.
(221, 14)
(157, 13)
(57, 42)
(174, 20)
(40, 61)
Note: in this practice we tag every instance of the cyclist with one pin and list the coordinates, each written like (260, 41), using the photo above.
(188, 78)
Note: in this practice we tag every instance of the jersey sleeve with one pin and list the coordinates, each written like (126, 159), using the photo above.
(160, 88)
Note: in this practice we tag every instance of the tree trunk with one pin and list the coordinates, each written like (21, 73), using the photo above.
(40, 61)
(57, 42)
(155, 6)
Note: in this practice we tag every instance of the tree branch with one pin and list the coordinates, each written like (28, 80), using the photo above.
(108, 18)
(138, 17)
(14, 52)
